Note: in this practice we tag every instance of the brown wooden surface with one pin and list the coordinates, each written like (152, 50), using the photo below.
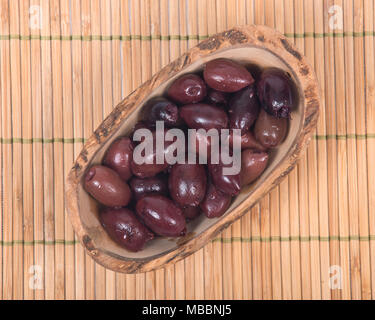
(300, 131)
(59, 80)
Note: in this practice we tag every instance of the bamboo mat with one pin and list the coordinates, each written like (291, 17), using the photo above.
(64, 64)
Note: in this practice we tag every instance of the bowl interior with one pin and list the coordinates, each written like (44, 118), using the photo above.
(88, 207)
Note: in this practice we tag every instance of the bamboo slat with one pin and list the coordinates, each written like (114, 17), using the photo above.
(66, 114)
(88, 118)
(360, 107)
(342, 159)
(369, 10)
(20, 100)
(65, 64)
(51, 75)
(322, 152)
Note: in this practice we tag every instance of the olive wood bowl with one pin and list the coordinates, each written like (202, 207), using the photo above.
(258, 45)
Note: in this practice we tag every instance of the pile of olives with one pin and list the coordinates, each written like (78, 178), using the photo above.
(141, 201)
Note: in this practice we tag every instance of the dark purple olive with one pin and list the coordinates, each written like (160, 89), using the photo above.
(247, 141)
(118, 157)
(205, 116)
(146, 170)
(215, 202)
(161, 215)
(243, 109)
(253, 164)
(124, 228)
(189, 88)
(191, 212)
(154, 185)
(269, 130)
(187, 184)
(226, 75)
(106, 186)
(229, 184)
(275, 91)
(161, 109)
(217, 98)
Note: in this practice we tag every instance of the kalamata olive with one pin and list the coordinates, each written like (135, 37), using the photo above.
(189, 88)
(154, 185)
(247, 141)
(275, 91)
(106, 186)
(215, 202)
(124, 228)
(118, 157)
(150, 169)
(161, 215)
(253, 164)
(269, 130)
(217, 98)
(226, 75)
(205, 116)
(161, 109)
(191, 212)
(243, 109)
(187, 184)
(229, 184)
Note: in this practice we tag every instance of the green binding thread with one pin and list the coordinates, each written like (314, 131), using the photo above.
(222, 240)
(173, 37)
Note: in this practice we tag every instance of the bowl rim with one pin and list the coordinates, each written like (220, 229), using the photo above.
(247, 35)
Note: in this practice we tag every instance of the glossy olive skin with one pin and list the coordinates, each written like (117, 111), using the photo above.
(215, 202)
(269, 130)
(146, 170)
(190, 88)
(229, 184)
(247, 141)
(275, 91)
(253, 164)
(190, 212)
(119, 156)
(187, 184)
(152, 185)
(161, 215)
(106, 186)
(226, 75)
(243, 109)
(205, 116)
(124, 228)
(161, 109)
(216, 98)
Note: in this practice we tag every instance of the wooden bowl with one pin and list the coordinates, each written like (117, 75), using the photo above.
(247, 44)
